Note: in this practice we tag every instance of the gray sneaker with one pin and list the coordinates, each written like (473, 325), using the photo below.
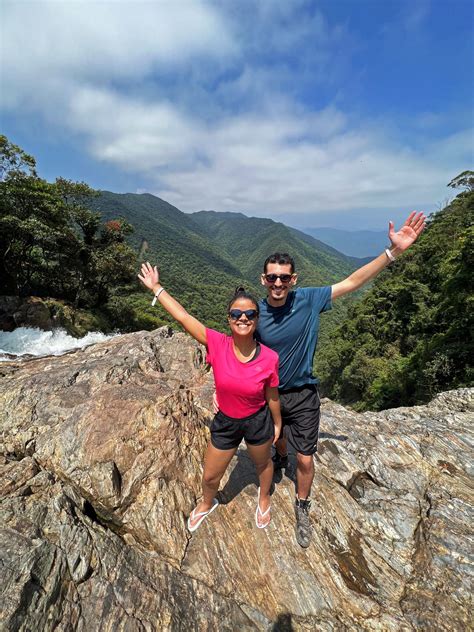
(303, 525)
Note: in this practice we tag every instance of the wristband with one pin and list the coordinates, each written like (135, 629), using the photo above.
(389, 254)
(158, 292)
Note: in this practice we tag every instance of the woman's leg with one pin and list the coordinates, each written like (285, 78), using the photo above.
(215, 464)
(261, 455)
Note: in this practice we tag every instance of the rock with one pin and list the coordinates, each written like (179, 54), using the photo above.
(8, 306)
(102, 459)
(31, 311)
(48, 314)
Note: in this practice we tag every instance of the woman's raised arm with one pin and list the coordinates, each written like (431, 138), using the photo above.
(150, 278)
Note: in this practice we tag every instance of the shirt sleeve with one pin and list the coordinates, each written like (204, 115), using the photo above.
(320, 297)
(215, 340)
(273, 380)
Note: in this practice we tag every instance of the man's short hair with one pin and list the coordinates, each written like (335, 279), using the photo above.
(282, 259)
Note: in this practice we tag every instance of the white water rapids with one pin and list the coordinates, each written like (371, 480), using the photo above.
(36, 342)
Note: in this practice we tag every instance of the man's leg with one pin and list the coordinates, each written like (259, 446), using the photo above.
(303, 435)
(304, 475)
(304, 480)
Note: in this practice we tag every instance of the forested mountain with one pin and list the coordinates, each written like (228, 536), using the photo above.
(203, 256)
(411, 335)
(230, 242)
(191, 266)
(316, 262)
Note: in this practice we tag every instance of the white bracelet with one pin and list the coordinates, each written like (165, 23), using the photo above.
(388, 252)
(158, 292)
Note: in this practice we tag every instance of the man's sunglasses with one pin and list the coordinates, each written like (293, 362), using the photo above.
(235, 314)
(272, 278)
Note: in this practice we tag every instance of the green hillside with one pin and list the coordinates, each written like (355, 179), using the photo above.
(411, 336)
(204, 256)
(192, 267)
(317, 263)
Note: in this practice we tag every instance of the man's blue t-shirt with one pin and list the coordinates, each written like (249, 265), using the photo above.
(292, 331)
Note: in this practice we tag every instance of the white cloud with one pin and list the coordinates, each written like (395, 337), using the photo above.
(46, 44)
(281, 160)
(201, 99)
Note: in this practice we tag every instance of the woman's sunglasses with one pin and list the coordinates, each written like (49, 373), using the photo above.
(284, 278)
(235, 314)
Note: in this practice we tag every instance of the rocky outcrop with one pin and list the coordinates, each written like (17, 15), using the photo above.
(48, 314)
(27, 312)
(102, 458)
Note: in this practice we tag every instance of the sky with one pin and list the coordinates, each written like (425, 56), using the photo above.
(339, 113)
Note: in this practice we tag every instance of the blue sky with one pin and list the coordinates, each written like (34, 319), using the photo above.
(333, 113)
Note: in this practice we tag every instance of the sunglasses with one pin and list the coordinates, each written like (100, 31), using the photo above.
(235, 314)
(284, 278)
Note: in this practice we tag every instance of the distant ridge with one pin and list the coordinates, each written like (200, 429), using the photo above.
(249, 240)
(357, 243)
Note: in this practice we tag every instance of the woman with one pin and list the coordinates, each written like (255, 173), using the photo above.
(246, 377)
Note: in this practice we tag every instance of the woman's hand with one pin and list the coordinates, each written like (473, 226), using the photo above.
(215, 405)
(273, 401)
(150, 277)
(277, 432)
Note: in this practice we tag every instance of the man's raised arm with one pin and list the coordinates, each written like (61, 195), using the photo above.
(399, 241)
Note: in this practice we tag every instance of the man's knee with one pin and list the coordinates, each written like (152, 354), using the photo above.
(305, 463)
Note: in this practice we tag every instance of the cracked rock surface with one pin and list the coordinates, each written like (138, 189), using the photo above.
(101, 460)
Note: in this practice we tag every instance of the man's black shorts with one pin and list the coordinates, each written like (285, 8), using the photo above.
(300, 412)
(227, 432)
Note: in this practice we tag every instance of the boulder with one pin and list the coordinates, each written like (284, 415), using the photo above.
(101, 464)
(31, 311)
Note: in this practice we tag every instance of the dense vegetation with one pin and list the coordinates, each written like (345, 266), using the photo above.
(53, 245)
(192, 267)
(411, 335)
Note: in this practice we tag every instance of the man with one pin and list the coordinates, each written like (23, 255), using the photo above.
(289, 323)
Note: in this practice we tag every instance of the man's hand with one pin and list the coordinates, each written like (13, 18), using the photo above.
(408, 233)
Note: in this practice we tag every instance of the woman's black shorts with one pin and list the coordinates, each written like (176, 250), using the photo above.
(300, 412)
(227, 432)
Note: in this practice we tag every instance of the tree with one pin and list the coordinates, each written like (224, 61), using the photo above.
(464, 180)
(14, 160)
(51, 243)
